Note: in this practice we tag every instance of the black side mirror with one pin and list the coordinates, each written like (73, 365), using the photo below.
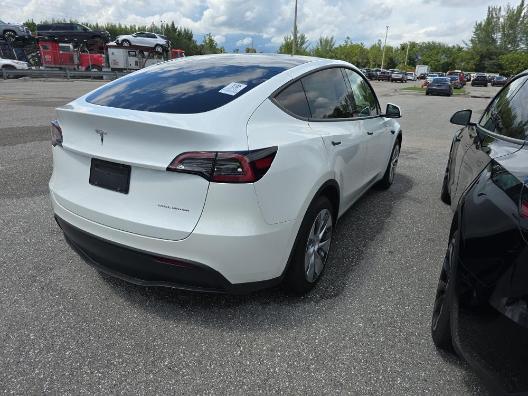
(392, 111)
(462, 117)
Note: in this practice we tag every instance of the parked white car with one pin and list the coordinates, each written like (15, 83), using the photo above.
(144, 39)
(224, 173)
(411, 76)
(13, 64)
(430, 77)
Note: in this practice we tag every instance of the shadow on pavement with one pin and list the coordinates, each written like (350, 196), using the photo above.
(356, 230)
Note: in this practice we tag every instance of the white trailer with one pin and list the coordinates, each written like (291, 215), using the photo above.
(422, 69)
(132, 58)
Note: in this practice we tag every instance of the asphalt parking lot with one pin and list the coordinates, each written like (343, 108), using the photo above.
(65, 328)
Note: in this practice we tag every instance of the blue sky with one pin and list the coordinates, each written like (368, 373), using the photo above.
(234, 23)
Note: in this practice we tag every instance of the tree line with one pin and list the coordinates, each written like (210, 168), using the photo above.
(499, 44)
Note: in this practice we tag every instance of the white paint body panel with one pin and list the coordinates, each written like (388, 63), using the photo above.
(244, 231)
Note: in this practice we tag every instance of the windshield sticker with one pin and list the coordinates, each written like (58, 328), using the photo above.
(233, 88)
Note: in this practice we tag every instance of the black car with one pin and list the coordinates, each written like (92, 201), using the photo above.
(481, 305)
(71, 32)
(384, 75)
(499, 81)
(371, 74)
(440, 86)
(480, 80)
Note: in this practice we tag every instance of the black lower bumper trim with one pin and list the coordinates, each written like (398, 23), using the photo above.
(145, 269)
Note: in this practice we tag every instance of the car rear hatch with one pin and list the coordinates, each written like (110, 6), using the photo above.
(113, 169)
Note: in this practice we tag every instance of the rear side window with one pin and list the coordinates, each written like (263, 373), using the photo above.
(294, 100)
(508, 113)
(193, 85)
(327, 94)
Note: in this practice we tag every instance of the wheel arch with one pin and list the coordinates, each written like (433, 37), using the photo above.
(331, 190)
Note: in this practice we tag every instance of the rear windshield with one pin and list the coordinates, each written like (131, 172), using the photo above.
(440, 80)
(193, 85)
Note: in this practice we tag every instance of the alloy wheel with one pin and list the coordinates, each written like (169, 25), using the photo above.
(10, 36)
(318, 245)
(394, 162)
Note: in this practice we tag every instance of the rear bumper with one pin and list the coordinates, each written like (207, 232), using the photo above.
(231, 239)
(438, 91)
(147, 269)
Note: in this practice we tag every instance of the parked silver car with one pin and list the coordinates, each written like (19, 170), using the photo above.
(11, 31)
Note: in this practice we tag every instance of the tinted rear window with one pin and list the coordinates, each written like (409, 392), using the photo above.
(440, 80)
(294, 100)
(192, 85)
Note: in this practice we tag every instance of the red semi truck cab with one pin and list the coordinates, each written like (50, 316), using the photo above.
(65, 56)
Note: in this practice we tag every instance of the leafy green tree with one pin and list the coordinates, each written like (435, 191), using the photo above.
(375, 54)
(512, 26)
(514, 63)
(301, 47)
(356, 54)
(325, 47)
(210, 46)
(31, 25)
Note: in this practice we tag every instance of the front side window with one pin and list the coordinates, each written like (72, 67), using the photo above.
(327, 94)
(365, 103)
(508, 114)
(293, 99)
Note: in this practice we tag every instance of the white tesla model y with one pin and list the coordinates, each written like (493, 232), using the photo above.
(224, 173)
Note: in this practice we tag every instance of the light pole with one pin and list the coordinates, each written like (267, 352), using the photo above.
(407, 53)
(294, 44)
(384, 45)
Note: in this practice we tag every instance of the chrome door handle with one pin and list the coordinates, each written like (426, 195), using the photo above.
(370, 133)
(334, 143)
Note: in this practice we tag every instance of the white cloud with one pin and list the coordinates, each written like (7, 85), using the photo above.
(220, 39)
(244, 42)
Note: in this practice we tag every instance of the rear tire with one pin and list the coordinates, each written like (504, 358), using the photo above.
(445, 196)
(125, 43)
(390, 172)
(158, 48)
(441, 318)
(312, 247)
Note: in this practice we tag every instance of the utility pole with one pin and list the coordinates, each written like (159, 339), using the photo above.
(407, 53)
(384, 45)
(294, 44)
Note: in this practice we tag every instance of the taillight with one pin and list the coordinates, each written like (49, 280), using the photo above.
(56, 133)
(225, 167)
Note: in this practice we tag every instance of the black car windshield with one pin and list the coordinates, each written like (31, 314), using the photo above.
(440, 80)
(193, 85)
(453, 78)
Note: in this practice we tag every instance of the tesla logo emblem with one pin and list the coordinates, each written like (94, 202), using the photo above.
(102, 134)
